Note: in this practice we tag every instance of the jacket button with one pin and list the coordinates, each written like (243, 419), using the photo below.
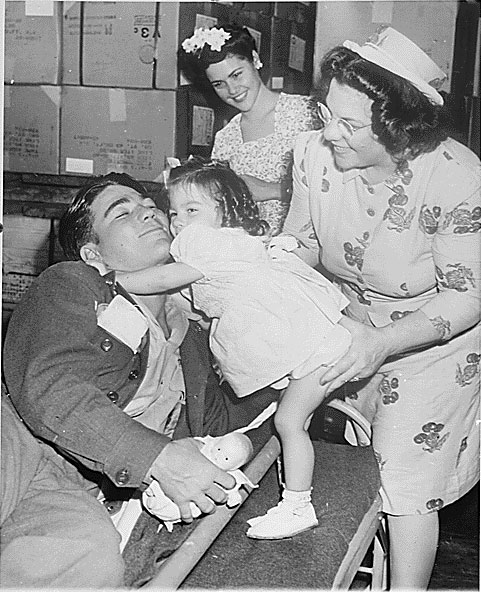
(133, 374)
(113, 507)
(113, 396)
(106, 345)
(122, 477)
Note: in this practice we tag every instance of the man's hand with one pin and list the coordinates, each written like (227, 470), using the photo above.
(185, 475)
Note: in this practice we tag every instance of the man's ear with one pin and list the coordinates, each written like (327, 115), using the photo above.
(90, 253)
(91, 256)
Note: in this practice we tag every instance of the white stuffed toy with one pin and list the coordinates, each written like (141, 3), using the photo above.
(229, 452)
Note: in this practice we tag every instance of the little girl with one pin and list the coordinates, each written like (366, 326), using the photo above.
(274, 319)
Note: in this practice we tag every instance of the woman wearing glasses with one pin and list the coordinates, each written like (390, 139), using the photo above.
(258, 141)
(391, 206)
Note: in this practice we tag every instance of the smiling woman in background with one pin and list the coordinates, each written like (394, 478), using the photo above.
(258, 141)
(392, 207)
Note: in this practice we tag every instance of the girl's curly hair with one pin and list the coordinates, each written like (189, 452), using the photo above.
(216, 179)
(403, 119)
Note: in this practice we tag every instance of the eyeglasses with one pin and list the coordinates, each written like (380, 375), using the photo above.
(346, 128)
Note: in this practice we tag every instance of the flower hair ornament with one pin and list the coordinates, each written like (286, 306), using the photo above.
(214, 38)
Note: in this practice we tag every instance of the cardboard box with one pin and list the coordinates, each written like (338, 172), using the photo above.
(32, 42)
(167, 43)
(25, 244)
(71, 43)
(31, 129)
(27, 249)
(14, 286)
(118, 44)
(121, 130)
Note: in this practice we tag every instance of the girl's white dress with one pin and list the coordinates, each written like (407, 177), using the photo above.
(271, 318)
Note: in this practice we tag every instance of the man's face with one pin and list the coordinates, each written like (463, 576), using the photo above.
(133, 233)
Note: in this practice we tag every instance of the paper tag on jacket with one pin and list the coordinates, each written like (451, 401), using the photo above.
(124, 321)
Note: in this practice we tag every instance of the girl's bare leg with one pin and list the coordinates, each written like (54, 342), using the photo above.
(299, 401)
(295, 513)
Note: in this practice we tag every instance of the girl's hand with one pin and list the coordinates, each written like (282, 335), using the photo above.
(369, 349)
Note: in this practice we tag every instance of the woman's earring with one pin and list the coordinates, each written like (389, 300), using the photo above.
(256, 60)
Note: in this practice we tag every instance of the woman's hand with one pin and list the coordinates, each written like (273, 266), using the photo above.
(369, 349)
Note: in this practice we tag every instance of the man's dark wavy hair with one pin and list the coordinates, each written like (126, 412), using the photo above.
(406, 123)
(75, 228)
(216, 179)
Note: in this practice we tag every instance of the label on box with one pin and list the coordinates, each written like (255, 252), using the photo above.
(38, 7)
(207, 22)
(117, 104)
(79, 165)
(202, 125)
(297, 52)
(277, 82)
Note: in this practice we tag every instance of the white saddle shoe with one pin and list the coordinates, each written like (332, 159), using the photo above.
(283, 521)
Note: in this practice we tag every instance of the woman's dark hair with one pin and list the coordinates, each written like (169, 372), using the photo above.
(75, 228)
(216, 179)
(241, 44)
(404, 120)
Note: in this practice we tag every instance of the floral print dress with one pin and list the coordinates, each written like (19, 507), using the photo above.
(269, 158)
(409, 243)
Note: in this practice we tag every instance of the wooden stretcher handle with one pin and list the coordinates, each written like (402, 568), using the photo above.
(176, 568)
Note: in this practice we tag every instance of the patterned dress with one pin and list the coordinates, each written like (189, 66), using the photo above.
(409, 243)
(270, 158)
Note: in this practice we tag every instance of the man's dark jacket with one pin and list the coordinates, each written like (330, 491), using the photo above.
(70, 380)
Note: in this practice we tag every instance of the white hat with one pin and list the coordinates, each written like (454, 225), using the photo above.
(394, 52)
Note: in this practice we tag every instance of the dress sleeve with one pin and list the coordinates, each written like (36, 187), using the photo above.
(217, 149)
(201, 247)
(456, 249)
(298, 222)
(306, 118)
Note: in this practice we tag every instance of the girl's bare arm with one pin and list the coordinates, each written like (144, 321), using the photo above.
(159, 278)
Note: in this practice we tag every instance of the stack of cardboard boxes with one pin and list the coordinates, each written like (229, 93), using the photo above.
(92, 87)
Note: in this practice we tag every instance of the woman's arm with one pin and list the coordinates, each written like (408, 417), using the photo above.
(159, 278)
(265, 190)
(371, 346)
